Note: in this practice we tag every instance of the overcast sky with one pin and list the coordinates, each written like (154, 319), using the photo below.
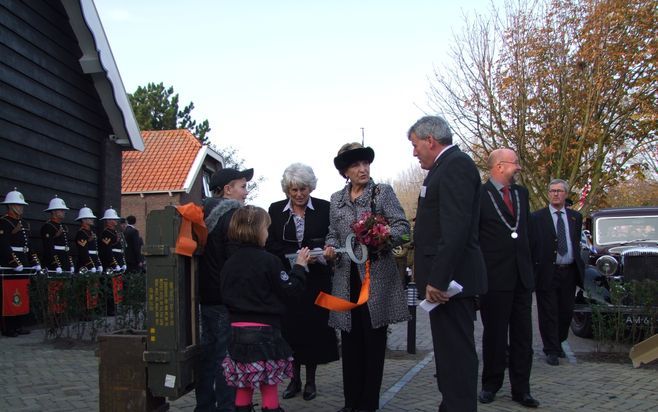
(291, 81)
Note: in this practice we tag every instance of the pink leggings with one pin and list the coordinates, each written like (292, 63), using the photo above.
(268, 393)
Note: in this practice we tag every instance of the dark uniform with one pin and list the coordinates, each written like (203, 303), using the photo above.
(15, 251)
(14, 243)
(56, 248)
(86, 241)
(111, 249)
(112, 258)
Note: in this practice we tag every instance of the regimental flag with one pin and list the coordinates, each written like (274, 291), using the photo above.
(15, 297)
(117, 288)
(56, 301)
(92, 293)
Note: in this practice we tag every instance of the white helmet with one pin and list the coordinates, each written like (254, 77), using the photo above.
(110, 214)
(14, 198)
(85, 213)
(56, 204)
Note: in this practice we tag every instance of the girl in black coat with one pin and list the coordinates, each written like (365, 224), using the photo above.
(254, 287)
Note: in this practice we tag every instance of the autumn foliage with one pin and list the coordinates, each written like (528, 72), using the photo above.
(570, 85)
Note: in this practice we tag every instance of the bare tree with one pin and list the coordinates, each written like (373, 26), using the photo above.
(407, 188)
(569, 84)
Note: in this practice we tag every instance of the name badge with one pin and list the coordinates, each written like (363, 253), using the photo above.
(423, 190)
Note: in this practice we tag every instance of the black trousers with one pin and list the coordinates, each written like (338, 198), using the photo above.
(555, 308)
(363, 349)
(507, 319)
(454, 354)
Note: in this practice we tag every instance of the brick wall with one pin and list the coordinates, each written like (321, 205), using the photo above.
(140, 206)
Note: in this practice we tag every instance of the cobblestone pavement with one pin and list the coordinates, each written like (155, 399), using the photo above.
(38, 376)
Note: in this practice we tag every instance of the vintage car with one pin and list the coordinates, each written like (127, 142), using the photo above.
(621, 246)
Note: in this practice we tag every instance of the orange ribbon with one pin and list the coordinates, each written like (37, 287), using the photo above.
(337, 304)
(192, 220)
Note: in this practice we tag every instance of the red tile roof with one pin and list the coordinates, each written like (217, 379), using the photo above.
(163, 165)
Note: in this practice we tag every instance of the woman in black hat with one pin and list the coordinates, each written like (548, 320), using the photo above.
(363, 328)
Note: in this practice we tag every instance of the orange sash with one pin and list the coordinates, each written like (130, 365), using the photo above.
(192, 220)
(337, 304)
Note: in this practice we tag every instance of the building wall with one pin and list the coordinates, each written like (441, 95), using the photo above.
(53, 129)
(141, 206)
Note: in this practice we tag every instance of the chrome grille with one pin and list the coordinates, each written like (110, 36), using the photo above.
(640, 264)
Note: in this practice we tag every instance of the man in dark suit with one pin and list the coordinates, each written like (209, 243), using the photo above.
(134, 259)
(558, 266)
(506, 308)
(447, 249)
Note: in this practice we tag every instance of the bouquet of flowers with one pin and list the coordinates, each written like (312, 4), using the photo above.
(373, 231)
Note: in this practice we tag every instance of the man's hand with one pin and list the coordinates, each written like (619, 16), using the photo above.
(434, 295)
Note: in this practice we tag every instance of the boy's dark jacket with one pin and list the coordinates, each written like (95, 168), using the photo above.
(217, 216)
(255, 286)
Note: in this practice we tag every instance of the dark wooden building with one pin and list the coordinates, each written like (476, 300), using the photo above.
(64, 115)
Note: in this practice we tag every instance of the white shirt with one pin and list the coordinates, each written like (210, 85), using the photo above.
(568, 258)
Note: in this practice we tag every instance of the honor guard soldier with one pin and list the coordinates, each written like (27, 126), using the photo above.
(55, 237)
(15, 254)
(111, 246)
(112, 258)
(86, 242)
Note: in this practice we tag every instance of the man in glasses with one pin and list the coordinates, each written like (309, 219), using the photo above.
(229, 189)
(506, 308)
(555, 239)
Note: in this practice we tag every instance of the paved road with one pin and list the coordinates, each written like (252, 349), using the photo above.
(37, 376)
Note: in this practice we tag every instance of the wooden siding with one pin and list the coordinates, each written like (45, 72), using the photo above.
(53, 129)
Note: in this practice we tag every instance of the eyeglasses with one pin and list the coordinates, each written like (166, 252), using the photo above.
(556, 191)
(294, 228)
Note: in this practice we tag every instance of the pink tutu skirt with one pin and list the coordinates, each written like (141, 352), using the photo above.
(253, 374)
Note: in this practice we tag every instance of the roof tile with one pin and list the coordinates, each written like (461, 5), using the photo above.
(163, 165)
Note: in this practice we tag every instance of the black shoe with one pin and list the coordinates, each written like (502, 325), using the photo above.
(309, 391)
(294, 387)
(22, 331)
(486, 396)
(526, 400)
(552, 360)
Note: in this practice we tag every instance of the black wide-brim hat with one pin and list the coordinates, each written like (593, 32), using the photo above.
(345, 159)
(223, 177)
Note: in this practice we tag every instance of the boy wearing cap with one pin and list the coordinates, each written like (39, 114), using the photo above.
(229, 187)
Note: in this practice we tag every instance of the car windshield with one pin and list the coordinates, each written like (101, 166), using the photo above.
(612, 230)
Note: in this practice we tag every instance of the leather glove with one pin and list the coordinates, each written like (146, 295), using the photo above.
(58, 270)
(18, 268)
(92, 270)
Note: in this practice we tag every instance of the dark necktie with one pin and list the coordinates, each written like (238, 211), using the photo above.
(507, 199)
(561, 235)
